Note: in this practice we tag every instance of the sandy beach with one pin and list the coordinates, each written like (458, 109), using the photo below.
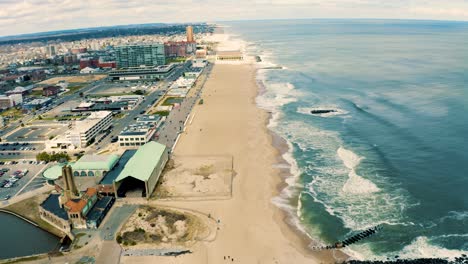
(251, 229)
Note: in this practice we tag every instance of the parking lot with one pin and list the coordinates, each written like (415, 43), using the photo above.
(36, 133)
(24, 172)
(119, 88)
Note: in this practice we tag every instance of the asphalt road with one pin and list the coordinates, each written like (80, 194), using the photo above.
(129, 118)
(27, 118)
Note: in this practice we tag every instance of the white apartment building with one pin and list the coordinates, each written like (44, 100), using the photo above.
(83, 131)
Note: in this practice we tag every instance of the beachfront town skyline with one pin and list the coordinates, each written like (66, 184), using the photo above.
(20, 17)
(296, 139)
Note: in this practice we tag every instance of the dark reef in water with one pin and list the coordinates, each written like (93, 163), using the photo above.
(463, 259)
(322, 111)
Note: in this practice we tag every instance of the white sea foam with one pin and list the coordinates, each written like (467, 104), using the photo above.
(350, 159)
(276, 95)
(422, 248)
(355, 184)
(338, 111)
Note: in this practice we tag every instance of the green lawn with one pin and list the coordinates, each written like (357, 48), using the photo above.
(172, 100)
(12, 112)
(172, 60)
(162, 113)
(73, 88)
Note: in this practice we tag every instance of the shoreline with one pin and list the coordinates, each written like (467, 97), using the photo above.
(252, 229)
(283, 217)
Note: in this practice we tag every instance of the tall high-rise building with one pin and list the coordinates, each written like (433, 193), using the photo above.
(51, 51)
(140, 55)
(190, 34)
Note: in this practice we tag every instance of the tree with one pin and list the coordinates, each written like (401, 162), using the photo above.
(43, 156)
(81, 94)
(139, 92)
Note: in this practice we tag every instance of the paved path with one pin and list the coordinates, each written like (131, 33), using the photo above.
(115, 219)
(110, 253)
(175, 121)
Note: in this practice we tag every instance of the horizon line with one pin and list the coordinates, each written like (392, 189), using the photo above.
(236, 20)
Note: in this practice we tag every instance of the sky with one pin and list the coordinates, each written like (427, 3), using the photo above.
(29, 16)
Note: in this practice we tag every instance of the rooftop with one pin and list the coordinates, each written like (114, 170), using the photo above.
(96, 162)
(52, 204)
(99, 207)
(77, 205)
(136, 129)
(112, 175)
(84, 125)
(148, 118)
(142, 164)
(54, 172)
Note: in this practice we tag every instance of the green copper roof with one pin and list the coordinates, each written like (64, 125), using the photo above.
(142, 164)
(96, 162)
(53, 172)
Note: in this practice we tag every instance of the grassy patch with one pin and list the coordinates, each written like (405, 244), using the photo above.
(120, 115)
(36, 93)
(161, 113)
(12, 113)
(73, 88)
(175, 60)
(172, 100)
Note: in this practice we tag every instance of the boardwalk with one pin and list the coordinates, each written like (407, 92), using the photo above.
(175, 121)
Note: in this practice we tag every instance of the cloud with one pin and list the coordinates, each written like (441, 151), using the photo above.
(26, 16)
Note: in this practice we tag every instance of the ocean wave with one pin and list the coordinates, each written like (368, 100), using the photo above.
(336, 111)
(276, 95)
(456, 215)
(355, 184)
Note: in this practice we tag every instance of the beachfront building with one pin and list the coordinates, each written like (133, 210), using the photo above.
(140, 55)
(88, 171)
(37, 103)
(70, 208)
(94, 165)
(136, 135)
(229, 56)
(141, 74)
(53, 213)
(141, 173)
(83, 132)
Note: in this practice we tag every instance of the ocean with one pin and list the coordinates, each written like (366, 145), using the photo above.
(395, 150)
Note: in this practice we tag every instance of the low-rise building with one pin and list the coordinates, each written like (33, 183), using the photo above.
(51, 90)
(141, 73)
(94, 165)
(141, 174)
(229, 56)
(37, 103)
(71, 208)
(5, 102)
(52, 212)
(136, 135)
